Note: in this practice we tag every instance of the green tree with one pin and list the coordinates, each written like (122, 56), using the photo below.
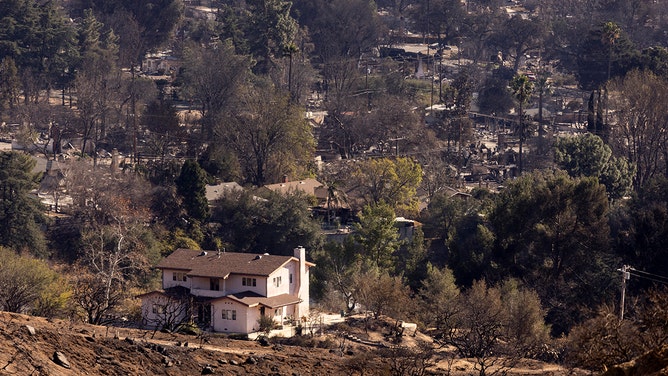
(588, 156)
(191, 185)
(378, 236)
(41, 42)
(275, 224)
(494, 97)
(640, 230)
(518, 36)
(412, 259)
(522, 89)
(342, 28)
(439, 297)
(143, 26)
(23, 281)
(9, 83)
(270, 29)
(20, 212)
(393, 181)
(545, 224)
(334, 278)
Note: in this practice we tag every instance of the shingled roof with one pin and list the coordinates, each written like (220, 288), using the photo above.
(251, 299)
(222, 264)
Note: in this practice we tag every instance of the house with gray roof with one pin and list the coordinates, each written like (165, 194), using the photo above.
(227, 291)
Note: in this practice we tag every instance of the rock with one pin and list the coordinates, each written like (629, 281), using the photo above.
(89, 339)
(207, 370)
(251, 360)
(129, 340)
(60, 359)
(222, 361)
(31, 330)
(234, 362)
(167, 362)
(263, 341)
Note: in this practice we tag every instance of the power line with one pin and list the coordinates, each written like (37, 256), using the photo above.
(649, 278)
(633, 270)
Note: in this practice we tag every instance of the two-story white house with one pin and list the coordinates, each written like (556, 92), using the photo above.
(228, 292)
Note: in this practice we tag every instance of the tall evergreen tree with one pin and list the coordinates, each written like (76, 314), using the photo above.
(20, 211)
(191, 185)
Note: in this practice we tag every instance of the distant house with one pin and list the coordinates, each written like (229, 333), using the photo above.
(309, 186)
(217, 191)
(228, 292)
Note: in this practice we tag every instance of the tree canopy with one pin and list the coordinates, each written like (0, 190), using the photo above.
(21, 213)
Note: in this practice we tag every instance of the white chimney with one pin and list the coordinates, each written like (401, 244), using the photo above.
(302, 281)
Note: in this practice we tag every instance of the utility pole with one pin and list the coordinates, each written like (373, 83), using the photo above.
(625, 276)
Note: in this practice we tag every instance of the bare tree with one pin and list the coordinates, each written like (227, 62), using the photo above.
(640, 133)
(171, 311)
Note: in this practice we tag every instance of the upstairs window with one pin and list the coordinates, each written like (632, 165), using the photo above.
(277, 281)
(179, 276)
(248, 281)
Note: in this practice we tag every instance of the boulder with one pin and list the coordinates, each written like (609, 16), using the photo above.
(60, 359)
(31, 330)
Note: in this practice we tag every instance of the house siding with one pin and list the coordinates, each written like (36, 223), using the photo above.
(284, 287)
(168, 279)
(155, 320)
(234, 284)
(240, 325)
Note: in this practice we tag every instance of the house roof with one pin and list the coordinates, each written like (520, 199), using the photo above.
(214, 192)
(252, 299)
(222, 264)
(307, 186)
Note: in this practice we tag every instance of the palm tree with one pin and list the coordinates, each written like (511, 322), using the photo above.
(336, 197)
(289, 50)
(609, 35)
(522, 88)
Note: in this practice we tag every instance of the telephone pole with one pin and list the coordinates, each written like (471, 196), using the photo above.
(625, 276)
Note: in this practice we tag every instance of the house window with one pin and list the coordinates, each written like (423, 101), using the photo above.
(278, 311)
(229, 314)
(290, 278)
(179, 276)
(248, 281)
(214, 284)
(158, 309)
(277, 281)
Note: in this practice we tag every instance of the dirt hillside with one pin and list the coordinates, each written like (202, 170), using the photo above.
(38, 346)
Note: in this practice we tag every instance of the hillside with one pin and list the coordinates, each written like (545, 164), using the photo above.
(28, 346)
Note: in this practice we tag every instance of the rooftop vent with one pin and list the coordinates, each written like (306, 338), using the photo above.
(257, 257)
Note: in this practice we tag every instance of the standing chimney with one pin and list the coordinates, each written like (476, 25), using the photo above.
(285, 178)
(302, 281)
